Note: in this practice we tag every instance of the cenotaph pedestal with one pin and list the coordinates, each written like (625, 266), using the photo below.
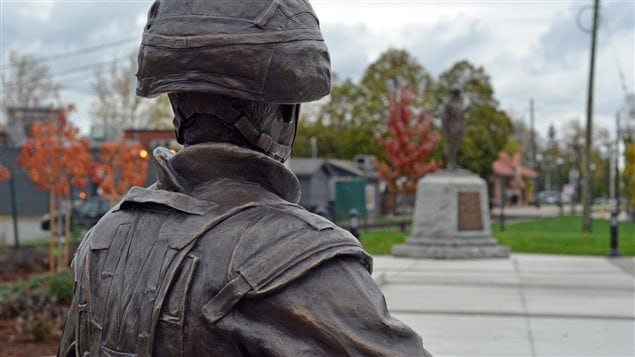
(451, 219)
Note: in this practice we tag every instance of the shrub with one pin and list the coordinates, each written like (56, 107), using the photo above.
(61, 286)
(39, 318)
(35, 304)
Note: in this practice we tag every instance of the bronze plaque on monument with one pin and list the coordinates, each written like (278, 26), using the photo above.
(470, 212)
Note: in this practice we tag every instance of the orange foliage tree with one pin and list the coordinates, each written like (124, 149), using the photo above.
(5, 174)
(122, 165)
(54, 158)
(408, 145)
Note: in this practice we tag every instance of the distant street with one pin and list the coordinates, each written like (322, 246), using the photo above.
(515, 213)
(28, 230)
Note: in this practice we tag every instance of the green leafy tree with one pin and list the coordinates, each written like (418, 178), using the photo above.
(486, 132)
(473, 81)
(394, 69)
(346, 124)
(335, 125)
(512, 147)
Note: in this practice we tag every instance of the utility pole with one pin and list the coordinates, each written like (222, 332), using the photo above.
(616, 184)
(586, 187)
(532, 139)
(532, 133)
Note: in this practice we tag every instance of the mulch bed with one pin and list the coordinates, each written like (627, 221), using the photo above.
(19, 265)
(11, 345)
(13, 267)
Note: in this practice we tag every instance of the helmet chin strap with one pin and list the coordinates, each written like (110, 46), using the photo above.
(224, 110)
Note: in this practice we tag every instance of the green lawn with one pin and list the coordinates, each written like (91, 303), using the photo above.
(562, 235)
(557, 235)
(379, 241)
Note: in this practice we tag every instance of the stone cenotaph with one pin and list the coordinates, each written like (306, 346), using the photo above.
(451, 217)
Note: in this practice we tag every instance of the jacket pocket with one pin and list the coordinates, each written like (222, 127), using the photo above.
(172, 318)
(109, 352)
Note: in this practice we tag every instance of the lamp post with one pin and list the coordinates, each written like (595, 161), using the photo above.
(605, 156)
(574, 177)
(614, 251)
(503, 198)
(14, 216)
(559, 162)
(353, 221)
(591, 181)
(537, 187)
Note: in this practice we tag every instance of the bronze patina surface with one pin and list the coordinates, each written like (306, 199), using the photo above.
(217, 258)
(453, 123)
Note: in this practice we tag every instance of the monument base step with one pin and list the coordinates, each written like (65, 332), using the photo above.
(465, 251)
(463, 241)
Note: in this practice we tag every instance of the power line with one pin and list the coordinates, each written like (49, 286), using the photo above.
(77, 52)
(73, 70)
(86, 67)
(616, 57)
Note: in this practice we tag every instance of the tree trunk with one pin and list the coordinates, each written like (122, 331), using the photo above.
(67, 231)
(52, 219)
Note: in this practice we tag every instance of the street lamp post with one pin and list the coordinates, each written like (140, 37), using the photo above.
(537, 187)
(614, 252)
(503, 197)
(14, 215)
(559, 162)
(353, 221)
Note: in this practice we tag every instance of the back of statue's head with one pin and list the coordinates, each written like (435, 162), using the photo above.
(264, 51)
(261, 50)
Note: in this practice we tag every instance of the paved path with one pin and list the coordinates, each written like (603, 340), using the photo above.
(28, 229)
(528, 305)
(518, 213)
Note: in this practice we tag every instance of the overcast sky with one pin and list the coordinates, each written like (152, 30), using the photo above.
(531, 49)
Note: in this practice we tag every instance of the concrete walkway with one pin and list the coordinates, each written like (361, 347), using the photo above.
(28, 230)
(527, 305)
(520, 213)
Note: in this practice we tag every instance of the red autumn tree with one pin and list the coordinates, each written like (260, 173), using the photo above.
(122, 166)
(408, 145)
(5, 174)
(54, 158)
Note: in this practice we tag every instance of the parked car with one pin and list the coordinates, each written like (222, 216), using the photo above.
(84, 213)
(601, 201)
(552, 197)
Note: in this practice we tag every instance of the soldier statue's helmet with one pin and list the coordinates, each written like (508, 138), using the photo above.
(269, 51)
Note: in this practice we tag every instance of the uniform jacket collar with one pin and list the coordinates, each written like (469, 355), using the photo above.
(198, 169)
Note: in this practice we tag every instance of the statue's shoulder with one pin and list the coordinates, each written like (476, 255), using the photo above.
(285, 235)
(279, 247)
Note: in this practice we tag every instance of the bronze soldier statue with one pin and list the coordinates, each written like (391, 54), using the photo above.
(216, 258)
(453, 122)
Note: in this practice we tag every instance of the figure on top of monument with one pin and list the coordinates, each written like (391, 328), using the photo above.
(216, 258)
(452, 129)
